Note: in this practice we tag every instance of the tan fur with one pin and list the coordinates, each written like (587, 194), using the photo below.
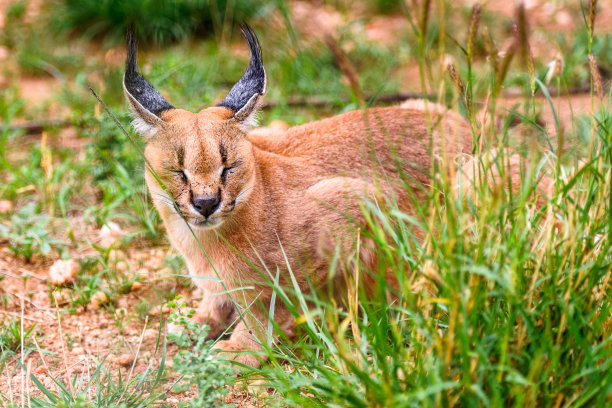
(293, 191)
(486, 168)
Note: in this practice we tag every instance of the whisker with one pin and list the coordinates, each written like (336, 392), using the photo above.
(243, 192)
(168, 201)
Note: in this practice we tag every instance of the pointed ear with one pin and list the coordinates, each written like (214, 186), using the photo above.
(244, 97)
(145, 102)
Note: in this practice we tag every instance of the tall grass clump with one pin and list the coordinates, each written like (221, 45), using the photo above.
(500, 304)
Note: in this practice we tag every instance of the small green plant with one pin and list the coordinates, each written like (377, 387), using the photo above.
(575, 63)
(117, 170)
(27, 232)
(199, 365)
(11, 334)
(70, 339)
(88, 282)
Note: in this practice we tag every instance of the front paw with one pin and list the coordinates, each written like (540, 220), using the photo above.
(234, 351)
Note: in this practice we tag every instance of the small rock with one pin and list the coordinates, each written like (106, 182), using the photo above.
(48, 382)
(138, 255)
(110, 233)
(4, 52)
(97, 300)
(173, 328)
(150, 334)
(11, 288)
(136, 286)
(123, 303)
(6, 206)
(125, 360)
(63, 272)
(77, 351)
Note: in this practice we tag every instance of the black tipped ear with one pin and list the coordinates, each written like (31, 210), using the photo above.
(244, 97)
(144, 100)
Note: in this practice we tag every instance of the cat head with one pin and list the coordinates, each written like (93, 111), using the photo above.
(204, 159)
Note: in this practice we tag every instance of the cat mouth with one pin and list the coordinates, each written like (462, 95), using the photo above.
(205, 223)
(214, 220)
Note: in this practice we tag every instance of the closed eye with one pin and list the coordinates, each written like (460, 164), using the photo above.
(225, 172)
(181, 174)
(229, 170)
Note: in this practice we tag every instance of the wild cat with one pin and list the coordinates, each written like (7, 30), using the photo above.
(269, 204)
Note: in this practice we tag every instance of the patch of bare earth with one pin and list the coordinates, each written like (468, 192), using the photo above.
(71, 340)
(74, 340)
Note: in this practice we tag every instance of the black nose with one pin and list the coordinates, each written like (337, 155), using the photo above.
(205, 205)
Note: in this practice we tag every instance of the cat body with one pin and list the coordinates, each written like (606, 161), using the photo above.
(268, 206)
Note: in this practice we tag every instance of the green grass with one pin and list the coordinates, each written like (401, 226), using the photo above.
(166, 21)
(27, 234)
(103, 388)
(11, 336)
(500, 304)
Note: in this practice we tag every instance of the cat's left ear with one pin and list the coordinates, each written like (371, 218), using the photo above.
(244, 97)
(146, 103)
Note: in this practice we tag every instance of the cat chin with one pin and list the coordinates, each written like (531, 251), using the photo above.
(206, 224)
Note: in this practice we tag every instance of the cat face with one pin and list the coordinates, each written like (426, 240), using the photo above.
(205, 161)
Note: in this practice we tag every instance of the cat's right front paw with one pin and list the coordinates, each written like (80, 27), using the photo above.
(235, 351)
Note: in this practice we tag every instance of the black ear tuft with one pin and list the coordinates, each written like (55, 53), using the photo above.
(252, 85)
(137, 87)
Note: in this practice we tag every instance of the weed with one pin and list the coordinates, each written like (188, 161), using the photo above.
(70, 339)
(200, 365)
(27, 232)
(11, 335)
(575, 66)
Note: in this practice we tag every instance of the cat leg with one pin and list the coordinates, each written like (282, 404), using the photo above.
(245, 345)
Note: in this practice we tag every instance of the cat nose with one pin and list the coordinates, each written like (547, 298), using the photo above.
(205, 205)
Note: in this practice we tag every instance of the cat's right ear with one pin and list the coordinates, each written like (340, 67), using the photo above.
(145, 102)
